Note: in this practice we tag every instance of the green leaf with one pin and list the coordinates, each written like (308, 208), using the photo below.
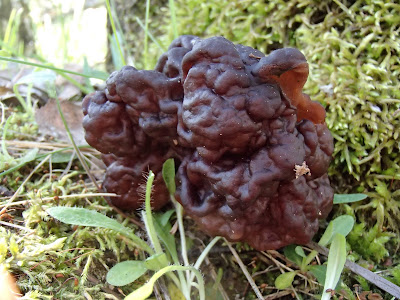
(319, 272)
(299, 250)
(38, 77)
(29, 156)
(285, 280)
(62, 157)
(336, 260)
(348, 198)
(126, 272)
(342, 224)
(156, 262)
(166, 237)
(327, 236)
(290, 253)
(168, 172)
(164, 218)
(86, 217)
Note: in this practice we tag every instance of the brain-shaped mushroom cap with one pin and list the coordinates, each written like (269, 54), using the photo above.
(252, 149)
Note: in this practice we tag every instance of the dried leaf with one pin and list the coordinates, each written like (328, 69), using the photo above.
(50, 123)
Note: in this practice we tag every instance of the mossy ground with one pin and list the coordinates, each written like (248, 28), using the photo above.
(354, 54)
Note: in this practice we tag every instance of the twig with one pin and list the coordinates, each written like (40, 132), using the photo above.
(17, 226)
(278, 295)
(13, 144)
(380, 282)
(245, 272)
(280, 266)
(164, 289)
(23, 202)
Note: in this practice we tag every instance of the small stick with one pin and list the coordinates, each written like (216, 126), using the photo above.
(245, 272)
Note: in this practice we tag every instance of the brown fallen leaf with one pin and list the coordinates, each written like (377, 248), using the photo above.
(50, 123)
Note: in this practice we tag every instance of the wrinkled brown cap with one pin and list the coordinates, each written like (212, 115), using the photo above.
(252, 149)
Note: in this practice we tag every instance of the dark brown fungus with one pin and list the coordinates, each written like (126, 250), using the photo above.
(252, 149)
(125, 177)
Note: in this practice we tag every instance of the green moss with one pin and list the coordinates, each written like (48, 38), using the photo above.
(370, 243)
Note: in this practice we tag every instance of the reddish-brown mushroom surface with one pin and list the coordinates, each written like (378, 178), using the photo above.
(252, 149)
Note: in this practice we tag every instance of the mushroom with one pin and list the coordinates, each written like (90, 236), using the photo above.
(238, 125)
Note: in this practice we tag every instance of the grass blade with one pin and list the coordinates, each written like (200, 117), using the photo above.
(115, 31)
(18, 61)
(146, 30)
(336, 260)
(174, 27)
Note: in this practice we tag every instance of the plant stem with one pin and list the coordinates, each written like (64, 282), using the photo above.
(245, 272)
(21, 100)
(148, 218)
(7, 156)
(179, 216)
(202, 256)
